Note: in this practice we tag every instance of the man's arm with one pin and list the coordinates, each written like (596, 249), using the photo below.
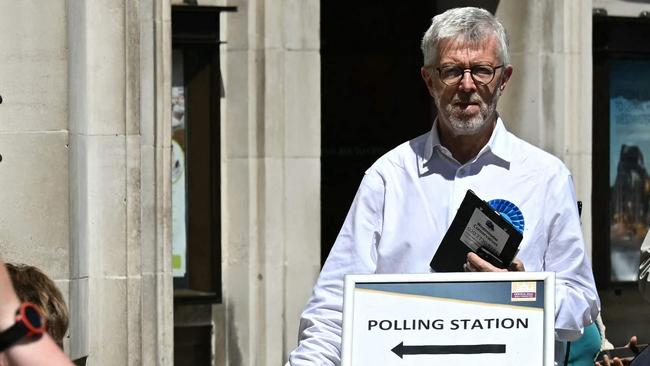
(33, 353)
(576, 299)
(644, 268)
(354, 251)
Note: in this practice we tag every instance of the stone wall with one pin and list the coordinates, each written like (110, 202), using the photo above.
(271, 175)
(85, 145)
(34, 224)
(85, 167)
(548, 99)
(119, 181)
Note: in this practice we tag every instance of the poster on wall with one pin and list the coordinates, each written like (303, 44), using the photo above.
(179, 237)
(628, 170)
(179, 227)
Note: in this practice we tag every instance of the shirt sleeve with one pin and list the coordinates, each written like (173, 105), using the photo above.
(644, 268)
(576, 299)
(354, 252)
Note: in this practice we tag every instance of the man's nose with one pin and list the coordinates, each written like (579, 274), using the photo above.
(466, 82)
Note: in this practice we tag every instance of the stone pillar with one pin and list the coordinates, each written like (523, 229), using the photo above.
(121, 296)
(271, 175)
(548, 101)
(153, 75)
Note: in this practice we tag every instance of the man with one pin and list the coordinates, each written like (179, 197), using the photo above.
(408, 198)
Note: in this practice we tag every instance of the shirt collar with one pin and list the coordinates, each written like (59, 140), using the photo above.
(498, 144)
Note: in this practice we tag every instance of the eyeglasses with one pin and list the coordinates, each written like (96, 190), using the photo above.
(481, 74)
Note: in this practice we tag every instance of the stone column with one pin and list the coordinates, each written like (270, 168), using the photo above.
(119, 182)
(548, 101)
(271, 175)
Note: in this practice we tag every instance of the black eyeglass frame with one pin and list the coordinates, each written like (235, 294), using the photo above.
(471, 74)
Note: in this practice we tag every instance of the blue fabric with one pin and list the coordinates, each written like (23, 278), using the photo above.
(584, 349)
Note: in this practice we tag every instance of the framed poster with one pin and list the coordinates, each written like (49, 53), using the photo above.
(629, 139)
(621, 186)
(449, 318)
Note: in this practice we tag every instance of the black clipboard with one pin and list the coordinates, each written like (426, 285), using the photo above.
(478, 228)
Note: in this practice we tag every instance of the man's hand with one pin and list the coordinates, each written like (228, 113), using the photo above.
(477, 264)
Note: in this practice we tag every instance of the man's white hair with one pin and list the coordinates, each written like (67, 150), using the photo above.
(470, 25)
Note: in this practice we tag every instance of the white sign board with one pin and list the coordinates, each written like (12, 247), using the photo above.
(457, 319)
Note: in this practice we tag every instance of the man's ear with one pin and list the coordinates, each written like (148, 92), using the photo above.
(427, 76)
(507, 72)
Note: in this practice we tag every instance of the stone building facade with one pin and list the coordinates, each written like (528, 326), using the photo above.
(85, 169)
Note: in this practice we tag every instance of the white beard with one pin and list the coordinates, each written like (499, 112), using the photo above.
(466, 124)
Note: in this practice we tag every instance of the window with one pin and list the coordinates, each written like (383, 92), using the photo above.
(621, 186)
(621, 146)
(196, 92)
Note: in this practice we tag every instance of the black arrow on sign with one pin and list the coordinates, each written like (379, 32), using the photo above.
(458, 349)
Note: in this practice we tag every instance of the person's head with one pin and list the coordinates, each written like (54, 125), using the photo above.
(34, 286)
(466, 67)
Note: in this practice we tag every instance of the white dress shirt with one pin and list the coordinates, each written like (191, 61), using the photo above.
(406, 202)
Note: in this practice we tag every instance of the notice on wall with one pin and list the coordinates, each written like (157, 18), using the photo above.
(629, 157)
(449, 318)
(179, 238)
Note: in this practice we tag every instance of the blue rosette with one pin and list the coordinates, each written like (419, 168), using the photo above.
(510, 212)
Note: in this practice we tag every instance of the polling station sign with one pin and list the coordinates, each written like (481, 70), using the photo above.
(449, 318)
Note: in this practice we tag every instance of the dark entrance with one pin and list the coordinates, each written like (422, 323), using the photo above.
(373, 97)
